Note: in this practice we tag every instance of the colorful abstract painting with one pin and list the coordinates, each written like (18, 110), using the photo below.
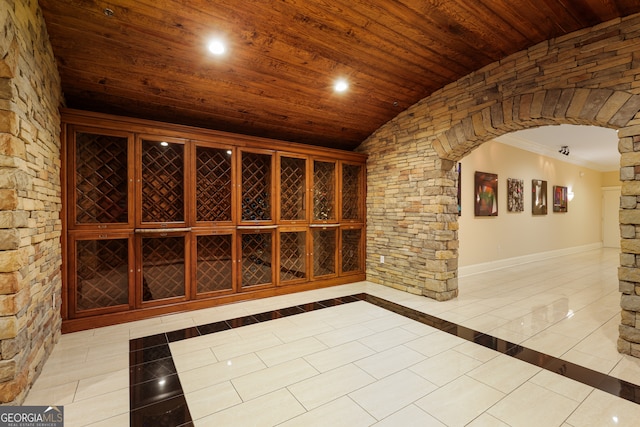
(559, 198)
(486, 194)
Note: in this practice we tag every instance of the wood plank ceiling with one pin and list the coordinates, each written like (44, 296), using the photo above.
(149, 58)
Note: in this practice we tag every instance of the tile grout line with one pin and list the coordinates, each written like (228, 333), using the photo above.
(154, 349)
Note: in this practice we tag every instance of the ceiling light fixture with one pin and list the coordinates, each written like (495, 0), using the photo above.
(217, 47)
(564, 150)
(341, 85)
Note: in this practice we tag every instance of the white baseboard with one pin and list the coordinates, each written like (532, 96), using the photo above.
(510, 262)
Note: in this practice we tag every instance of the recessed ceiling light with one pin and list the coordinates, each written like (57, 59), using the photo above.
(341, 85)
(217, 47)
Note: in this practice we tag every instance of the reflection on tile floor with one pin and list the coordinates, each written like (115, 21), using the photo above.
(360, 364)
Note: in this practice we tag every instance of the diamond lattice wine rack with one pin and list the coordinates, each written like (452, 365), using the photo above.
(163, 218)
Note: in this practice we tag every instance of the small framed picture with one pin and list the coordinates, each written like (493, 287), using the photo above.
(486, 194)
(538, 197)
(559, 198)
(515, 195)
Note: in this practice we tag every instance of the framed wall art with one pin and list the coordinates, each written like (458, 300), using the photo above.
(538, 197)
(459, 189)
(515, 195)
(559, 198)
(486, 194)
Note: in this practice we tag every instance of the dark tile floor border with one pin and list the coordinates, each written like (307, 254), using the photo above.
(157, 398)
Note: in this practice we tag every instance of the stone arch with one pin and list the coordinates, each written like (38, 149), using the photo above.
(598, 107)
(588, 77)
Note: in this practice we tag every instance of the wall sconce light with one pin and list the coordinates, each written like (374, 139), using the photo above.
(570, 195)
(564, 150)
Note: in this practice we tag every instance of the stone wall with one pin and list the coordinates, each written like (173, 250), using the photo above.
(30, 203)
(590, 77)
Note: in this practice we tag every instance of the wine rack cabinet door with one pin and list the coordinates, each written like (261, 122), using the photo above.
(351, 249)
(325, 191)
(352, 193)
(161, 181)
(293, 254)
(256, 258)
(292, 189)
(256, 187)
(215, 263)
(214, 185)
(162, 267)
(101, 273)
(325, 251)
(100, 179)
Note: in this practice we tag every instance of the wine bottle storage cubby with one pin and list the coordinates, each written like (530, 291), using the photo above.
(293, 173)
(324, 191)
(213, 184)
(293, 256)
(214, 263)
(163, 188)
(101, 273)
(256, 186)
(163, 218)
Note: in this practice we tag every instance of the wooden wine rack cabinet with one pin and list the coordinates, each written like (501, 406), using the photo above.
(162, 218)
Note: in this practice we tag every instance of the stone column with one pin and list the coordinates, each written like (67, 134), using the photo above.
(629, 271)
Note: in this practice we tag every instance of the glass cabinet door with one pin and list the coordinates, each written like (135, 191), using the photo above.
(102, 273)
(162, 181)
(293, 189)
(213, 184)
(325, 251)
(352, 192)
(351, 250)
(214, 263)
(293, 256)
(256, 187)
(162, 269)
(256, 262)
(324, 191)
(101, 182)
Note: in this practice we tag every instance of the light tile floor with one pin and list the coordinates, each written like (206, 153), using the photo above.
(359, 364)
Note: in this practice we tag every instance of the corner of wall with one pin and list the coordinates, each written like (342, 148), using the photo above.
(30, 199)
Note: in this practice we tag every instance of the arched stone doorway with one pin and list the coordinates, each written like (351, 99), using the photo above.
(412, 208)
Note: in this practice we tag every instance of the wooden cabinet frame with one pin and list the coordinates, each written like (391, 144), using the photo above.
(359, 250)
(316, 195)
(73, 284)
(231, 151)
(140, 268)
(306, 186)
(231, 232)
(280, 267)
(283, 253)
(71, 166)
(260, 262)
(186, 180)
(360, 197)
(241, 182)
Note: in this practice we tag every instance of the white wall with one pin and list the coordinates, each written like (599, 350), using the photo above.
(511, 234)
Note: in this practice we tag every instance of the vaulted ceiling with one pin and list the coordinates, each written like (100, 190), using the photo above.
(150, 58)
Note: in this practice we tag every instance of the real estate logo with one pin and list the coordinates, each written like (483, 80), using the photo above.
(31, 416)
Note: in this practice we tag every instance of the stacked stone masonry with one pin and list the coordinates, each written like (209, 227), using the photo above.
(589, 77)
(30, 198)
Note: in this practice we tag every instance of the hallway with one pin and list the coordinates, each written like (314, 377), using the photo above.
(357, 363)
